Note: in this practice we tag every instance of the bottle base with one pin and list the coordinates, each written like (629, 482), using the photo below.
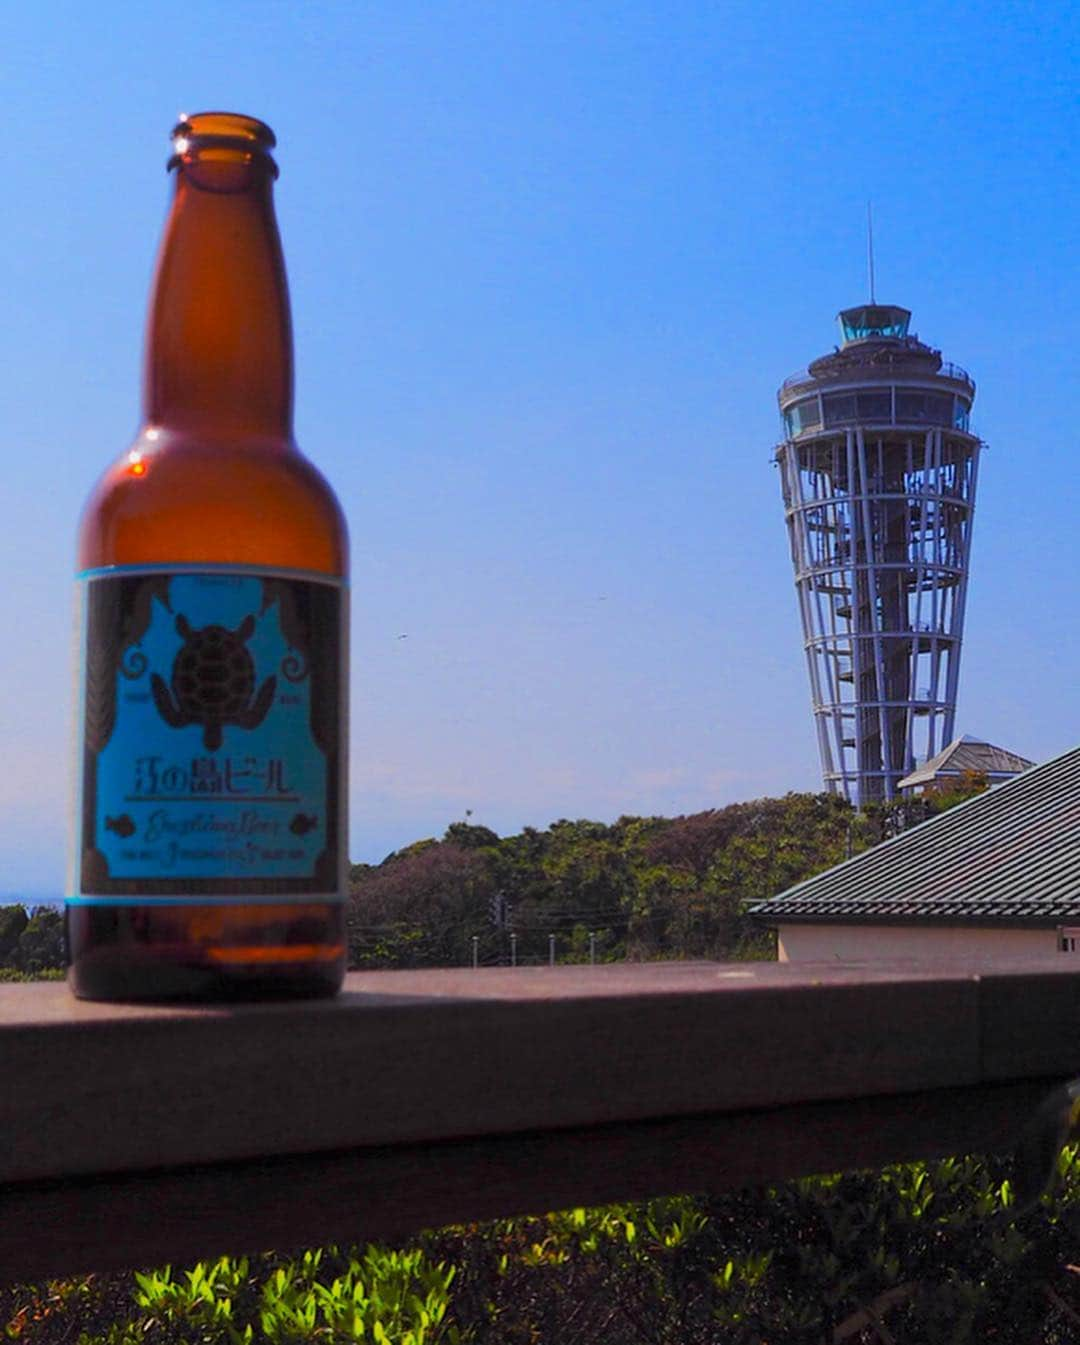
(208, 954)
(122, 981)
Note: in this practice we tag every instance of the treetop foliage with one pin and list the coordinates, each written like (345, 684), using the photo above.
(646, 887)
(642, 887)
(31, 941)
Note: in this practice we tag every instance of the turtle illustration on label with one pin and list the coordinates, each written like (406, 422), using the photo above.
(213, 682)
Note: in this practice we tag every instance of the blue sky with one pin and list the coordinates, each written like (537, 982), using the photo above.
(549, 263)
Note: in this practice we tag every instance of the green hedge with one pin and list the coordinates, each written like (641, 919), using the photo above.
(918, 1253)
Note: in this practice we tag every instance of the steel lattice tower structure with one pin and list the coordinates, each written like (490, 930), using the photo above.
(879, 468)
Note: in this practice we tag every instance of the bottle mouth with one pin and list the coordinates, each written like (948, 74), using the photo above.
(226, 138)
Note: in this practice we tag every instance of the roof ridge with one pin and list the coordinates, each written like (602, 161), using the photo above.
(930, 865)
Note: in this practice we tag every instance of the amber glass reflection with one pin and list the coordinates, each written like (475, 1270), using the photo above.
(214, 476)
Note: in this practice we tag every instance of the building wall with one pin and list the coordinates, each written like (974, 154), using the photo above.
(862, 943)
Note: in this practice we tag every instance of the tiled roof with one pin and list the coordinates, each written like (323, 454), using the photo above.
(967, 754)
(1010, 856)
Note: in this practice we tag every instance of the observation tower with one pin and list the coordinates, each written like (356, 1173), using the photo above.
(878, 467)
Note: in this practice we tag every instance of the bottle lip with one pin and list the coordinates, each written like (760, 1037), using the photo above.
(198, 131)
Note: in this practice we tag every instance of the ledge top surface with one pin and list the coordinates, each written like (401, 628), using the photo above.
(51, 1004)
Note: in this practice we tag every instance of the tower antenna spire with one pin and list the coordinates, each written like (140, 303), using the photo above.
(870, 248)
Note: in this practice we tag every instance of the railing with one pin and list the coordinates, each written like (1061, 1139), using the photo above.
(947, 370)
(793, 380)
(138, 1135)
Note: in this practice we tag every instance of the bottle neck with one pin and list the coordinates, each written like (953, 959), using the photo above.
(219, 338)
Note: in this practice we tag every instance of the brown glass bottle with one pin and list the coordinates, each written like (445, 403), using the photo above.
(214, 493)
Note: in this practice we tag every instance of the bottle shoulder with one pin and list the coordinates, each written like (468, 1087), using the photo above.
(185, 500)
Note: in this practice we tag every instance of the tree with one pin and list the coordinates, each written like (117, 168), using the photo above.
(41, 943)
(470, 837)
(647, 886)
(13, 920)
(419, 907)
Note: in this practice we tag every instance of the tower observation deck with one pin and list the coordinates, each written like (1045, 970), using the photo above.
(878, 467)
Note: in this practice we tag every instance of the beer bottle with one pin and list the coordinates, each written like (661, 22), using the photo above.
(210, 851)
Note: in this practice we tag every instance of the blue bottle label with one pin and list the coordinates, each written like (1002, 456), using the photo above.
(211, 721)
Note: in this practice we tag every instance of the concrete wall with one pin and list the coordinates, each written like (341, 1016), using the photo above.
(862, 943)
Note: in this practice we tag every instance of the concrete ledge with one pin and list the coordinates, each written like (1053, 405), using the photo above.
(419, 1098)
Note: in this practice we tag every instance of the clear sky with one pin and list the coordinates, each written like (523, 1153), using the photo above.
(549, 262)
